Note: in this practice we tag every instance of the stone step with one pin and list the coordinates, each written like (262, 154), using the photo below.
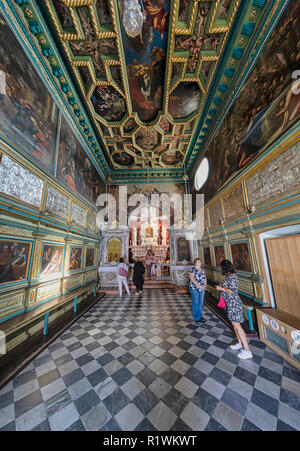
(149, 284)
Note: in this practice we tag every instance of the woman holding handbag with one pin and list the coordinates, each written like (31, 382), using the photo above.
(235, 310)
(122, 274)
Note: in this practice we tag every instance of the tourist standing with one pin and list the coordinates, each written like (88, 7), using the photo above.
(153, 265)
(197, 290)
(148, 264)
(138, 276)
(235, 310)
(122, 274)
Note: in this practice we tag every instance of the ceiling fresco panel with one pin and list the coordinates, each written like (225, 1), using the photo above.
(145, 57)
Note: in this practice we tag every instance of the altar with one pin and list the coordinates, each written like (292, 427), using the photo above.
(154, 237)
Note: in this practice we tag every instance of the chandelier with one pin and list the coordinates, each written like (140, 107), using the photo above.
(133, 17)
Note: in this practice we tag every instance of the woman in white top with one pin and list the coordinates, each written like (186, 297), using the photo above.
(121, 271)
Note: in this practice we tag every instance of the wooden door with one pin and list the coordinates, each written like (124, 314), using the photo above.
(284, 262)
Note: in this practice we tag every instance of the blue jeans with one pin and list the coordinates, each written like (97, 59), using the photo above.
(197, 302)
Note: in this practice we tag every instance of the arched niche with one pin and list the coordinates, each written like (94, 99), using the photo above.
(114, 249)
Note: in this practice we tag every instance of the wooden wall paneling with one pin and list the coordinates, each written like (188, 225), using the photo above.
(284, 257)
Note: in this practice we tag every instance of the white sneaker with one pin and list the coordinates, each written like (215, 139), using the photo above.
(244, 354)
(236, 347)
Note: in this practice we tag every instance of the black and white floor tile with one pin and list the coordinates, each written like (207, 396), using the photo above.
(143, 364)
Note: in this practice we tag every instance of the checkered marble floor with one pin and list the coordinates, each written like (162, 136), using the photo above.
(143, 364)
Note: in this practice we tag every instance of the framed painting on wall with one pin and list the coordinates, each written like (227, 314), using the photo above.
(52, 259)
(183, 250)
(14, 260)
(219, 254)
(114, 249)
(75, 258)
(149, 232)
(241, 257)
(89, 258)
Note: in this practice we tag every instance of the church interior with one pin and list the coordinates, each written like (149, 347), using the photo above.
(159, 131)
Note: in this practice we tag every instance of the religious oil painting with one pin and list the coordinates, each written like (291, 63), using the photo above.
(75, 169)
(149, 232)
(219, 254)
(75, 258)
(267, 106)
(207, 256)
(241, 257)
(172, 158)
(114, 249)
(14, 260)
(184, 100)
(123, 159)
(89, 258)
(183, 250)
(234, 203)
(52, 259)
(28, 114)
(108, 103)
(145, 55)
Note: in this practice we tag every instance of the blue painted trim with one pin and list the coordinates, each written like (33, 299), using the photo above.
(75, 304)
(28, 309)
(46, 221)
(253, 298)
(250, 321)
(46, 322)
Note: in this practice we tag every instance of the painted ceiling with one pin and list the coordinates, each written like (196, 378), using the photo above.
(147, 105)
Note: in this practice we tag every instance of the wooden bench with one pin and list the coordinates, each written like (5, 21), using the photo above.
(17, 358)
